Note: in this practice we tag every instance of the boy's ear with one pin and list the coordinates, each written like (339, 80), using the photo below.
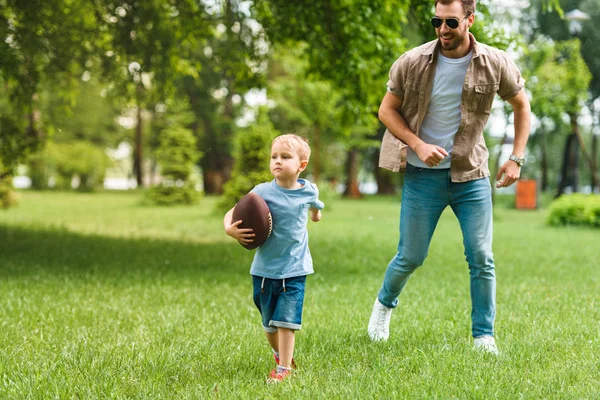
(303, 165)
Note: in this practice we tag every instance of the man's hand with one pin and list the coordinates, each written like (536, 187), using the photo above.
(511, 172)
(430, 154)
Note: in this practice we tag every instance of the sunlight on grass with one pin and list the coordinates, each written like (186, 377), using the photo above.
(106, 298)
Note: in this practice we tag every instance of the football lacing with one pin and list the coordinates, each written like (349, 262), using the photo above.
(270, 224)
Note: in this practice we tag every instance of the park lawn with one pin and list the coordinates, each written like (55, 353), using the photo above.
(104, 297)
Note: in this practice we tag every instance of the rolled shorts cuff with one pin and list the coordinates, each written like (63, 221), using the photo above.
(287, 325)
(270, 329)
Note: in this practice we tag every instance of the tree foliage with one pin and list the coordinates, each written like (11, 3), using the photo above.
(252, 155)
(177, 156)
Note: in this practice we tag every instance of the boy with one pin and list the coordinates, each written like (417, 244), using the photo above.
(281, 264)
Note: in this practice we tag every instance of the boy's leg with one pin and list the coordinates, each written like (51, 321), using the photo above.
(272, 337)
(265, 300)
(287, 317)
(286, 346)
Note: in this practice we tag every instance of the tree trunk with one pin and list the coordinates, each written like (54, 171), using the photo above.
(497, 164)
(317, 154)
(590, 160)
(544, 160)
(386, 182)
(384, 178)
(595, 183)
(138, 153)
(352, 167)
(570, 167)
(217, 162)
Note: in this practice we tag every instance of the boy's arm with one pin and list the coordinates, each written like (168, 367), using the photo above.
(315, 214)
(244, 236)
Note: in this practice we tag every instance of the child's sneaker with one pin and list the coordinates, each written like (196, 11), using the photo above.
(486, 344)
(277, 361)
(278, 377)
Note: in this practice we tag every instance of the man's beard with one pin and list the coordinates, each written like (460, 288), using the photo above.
(453, 44)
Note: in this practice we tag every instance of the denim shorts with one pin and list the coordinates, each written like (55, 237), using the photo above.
(279, 301)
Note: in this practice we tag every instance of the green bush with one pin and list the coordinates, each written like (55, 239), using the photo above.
(252, 154)
(575, 209)
(176, 156)
(8, 197)
(64, 161)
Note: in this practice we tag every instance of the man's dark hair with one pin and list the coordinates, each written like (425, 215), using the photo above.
(468, 5)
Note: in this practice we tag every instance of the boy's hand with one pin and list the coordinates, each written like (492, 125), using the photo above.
(244, 236)
(315, 214)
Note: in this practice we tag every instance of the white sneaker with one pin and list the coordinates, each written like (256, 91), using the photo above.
(486, 344)
(379, 324)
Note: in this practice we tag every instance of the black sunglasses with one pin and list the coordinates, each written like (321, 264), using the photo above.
(451, 23)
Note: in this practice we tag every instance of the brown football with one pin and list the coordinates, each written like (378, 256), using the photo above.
(255, 214)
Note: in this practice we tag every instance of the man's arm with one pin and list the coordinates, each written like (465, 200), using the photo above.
(522, 117)
(393, 120)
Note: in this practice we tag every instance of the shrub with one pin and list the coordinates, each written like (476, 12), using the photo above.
(176, 156)
(64, 161)
(575, 209)
(252, 154)
(8, 197)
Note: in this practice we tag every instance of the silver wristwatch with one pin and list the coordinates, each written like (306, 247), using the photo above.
(520, 161)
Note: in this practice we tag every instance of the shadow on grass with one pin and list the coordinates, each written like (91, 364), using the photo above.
(26, 251)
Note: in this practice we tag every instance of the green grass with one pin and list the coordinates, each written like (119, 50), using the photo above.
(105, 298)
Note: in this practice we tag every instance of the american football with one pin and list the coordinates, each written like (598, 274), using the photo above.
(255, 214)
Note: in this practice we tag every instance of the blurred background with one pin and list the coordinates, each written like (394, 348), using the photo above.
(181, 98)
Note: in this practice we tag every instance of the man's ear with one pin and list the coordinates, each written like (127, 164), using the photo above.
(303, 165)
(471, 19)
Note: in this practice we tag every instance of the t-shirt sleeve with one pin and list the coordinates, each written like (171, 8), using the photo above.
(315, 202)
(511, 81)
(259, 190)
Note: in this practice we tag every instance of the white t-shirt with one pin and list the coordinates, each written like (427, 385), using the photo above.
(442, 118)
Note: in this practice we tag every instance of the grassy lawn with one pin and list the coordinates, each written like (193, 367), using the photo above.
(102, 297)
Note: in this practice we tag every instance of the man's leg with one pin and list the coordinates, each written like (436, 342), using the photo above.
(472, 204)
(424, 197)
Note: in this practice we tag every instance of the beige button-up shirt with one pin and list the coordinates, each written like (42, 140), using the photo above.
(411, 79)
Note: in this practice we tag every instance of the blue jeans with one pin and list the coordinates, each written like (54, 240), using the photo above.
(426, 194)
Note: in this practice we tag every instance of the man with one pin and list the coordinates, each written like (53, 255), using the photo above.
(437, 103)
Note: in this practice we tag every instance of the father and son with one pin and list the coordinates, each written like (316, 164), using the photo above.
(438, 101)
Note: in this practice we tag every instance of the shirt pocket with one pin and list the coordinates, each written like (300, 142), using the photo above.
(410, 102)
(302, 210)
(484, 97)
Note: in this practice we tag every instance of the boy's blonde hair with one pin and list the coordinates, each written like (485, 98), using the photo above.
(298, 143)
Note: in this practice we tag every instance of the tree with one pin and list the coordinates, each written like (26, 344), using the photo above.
(304, 106)
(39, 42)
(232, 60)
(552, 24)
(252, 155)
(146, 53)
(548, 85)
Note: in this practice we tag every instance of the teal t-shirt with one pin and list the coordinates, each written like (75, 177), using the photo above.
(285, 254)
